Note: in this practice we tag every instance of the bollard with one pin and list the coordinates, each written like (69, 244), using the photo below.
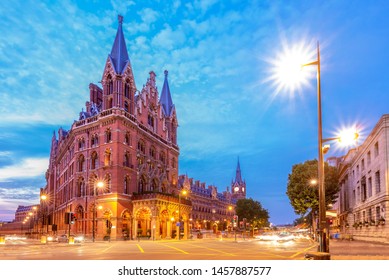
(71, 239)
(43, 239)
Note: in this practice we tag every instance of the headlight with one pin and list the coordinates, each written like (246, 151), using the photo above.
(79, 238)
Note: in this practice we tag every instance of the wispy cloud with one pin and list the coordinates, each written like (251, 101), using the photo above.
(26, 168)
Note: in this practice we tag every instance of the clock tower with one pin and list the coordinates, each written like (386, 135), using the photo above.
(238, 186)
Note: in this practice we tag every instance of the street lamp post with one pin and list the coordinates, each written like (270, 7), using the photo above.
(44, 217)
(322, 230)
(281, 74)
(99, 184)
(184, 192)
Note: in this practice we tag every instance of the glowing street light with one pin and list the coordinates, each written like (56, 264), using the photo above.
(44, 200)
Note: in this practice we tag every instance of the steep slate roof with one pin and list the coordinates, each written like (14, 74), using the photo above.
(119, 55)
(166, 98)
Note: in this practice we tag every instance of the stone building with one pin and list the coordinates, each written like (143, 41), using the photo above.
(116, 168)
(363, 201)
(114, 173)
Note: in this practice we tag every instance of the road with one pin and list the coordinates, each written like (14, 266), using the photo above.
(198, 249)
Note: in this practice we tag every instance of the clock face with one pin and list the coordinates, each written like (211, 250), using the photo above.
(242, 189)
(236, 189)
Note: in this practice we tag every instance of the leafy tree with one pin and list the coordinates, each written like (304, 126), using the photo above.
(253, 211)
(302, 194)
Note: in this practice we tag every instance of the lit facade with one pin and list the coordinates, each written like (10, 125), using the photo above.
(128, 140)
(363, 202)
(116, 168)
(210, 209)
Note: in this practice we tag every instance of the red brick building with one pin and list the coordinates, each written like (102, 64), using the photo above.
(116, 169)
(127, 139)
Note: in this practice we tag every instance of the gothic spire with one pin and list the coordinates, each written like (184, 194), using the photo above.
(166, 98)
(238, 176)
(119, 55)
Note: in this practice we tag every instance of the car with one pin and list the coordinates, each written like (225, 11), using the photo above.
(79, 238)
(76, 238)
(52, 238)
(285, 237)
(63, 238)
(266, 237)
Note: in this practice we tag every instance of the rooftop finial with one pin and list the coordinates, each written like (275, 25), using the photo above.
(165, 72)
(120, 19)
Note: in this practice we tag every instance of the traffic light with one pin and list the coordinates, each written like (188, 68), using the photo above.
(235, 221)
(72, 218)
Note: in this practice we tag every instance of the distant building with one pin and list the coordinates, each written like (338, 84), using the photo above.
(210, 209)
(363, 202)
(22, 212)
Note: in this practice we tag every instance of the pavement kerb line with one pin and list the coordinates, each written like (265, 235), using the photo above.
(140, 248)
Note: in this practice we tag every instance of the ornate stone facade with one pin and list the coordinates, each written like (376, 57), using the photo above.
(126, 139)
(116, 169)
(363, 199)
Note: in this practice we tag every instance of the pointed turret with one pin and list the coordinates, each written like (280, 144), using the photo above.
(166, 98)
(119, 54)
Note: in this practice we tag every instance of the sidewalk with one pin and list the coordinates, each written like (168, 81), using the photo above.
(357, 250)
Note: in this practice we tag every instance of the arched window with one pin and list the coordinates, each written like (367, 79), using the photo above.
(127, 139)
(81, 187)
(152, 152)
(126, 185)
(127, 90)
(81, 144)
(81, 163)
(94, 140)
(107, 157)
(94, 161)
(127, 160)
(150, 121)
(141, 185)
(110, 86)
(108, 136)
(141, 147)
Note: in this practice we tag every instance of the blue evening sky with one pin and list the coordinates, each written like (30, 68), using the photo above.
(219, 56)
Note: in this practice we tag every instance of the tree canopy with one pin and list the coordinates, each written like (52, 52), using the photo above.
(253, 211)
(302, 194)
